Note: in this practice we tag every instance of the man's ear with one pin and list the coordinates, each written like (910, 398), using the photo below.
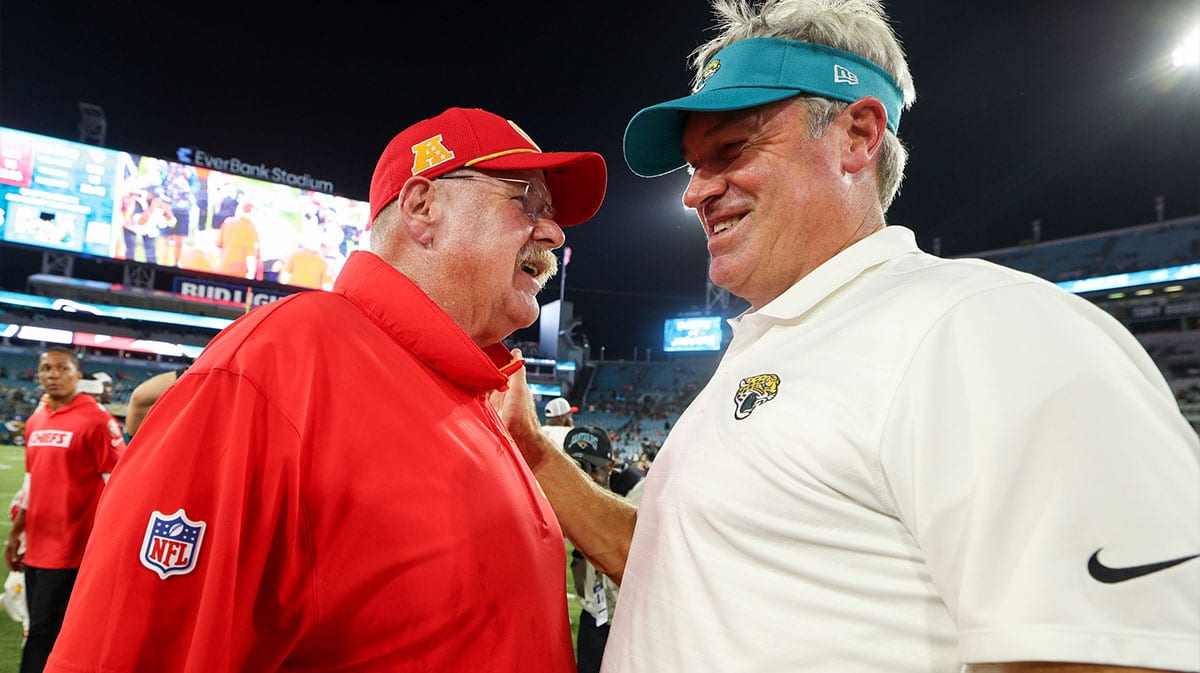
(420, 210)
(866, 125)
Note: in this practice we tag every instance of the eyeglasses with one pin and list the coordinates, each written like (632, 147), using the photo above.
(535, 200)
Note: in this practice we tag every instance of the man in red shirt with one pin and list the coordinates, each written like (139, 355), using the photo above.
(306, 267)
(239, 244)
(328, 487)
(71, 446)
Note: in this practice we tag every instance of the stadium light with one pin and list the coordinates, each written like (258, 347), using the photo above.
(1187, 54)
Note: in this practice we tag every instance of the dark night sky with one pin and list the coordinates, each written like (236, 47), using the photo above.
(1058, 111)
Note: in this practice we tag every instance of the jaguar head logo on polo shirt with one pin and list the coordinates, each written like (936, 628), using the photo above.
(172, 543)
(753, 392)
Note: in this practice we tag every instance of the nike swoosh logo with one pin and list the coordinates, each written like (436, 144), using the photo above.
(1103, 573)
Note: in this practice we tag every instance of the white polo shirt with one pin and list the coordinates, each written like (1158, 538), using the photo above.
(905, 463)
(558, 433)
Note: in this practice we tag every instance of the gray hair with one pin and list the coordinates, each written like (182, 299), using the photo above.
(858, 26)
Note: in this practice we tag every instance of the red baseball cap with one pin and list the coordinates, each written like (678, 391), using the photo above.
(462, 137)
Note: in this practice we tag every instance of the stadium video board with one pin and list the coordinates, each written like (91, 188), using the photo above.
(91, 200)
(701, 333)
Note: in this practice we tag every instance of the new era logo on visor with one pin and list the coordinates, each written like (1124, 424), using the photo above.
(843, 76)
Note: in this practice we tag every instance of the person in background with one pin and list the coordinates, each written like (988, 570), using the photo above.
(14, 597)
(306, 266)
(71, 446)
(902, 463)
(105, 393)
(100, 386)
(255, 524)
(560, 418)
(198, 256)
(223, 194)
(179, 191)
(591, 449)
(632, 478)
(626, 477)
(239, 245)
(145, 394)
(144, 213)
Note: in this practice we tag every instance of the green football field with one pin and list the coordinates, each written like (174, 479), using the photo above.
(12, 470)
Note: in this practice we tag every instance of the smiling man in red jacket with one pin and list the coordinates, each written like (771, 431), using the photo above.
(328, 488)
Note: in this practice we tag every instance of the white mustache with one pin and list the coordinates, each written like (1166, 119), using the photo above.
(540, 258)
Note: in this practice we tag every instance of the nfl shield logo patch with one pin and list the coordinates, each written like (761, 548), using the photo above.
(172, 544)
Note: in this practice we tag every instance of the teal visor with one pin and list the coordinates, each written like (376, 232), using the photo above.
(754, 72)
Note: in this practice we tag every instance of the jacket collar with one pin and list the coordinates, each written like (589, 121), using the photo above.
(408, 314)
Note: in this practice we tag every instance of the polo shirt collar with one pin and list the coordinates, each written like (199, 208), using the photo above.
(421, 326)
(887, 243)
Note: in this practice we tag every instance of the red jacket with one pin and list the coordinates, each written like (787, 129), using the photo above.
(326, 489)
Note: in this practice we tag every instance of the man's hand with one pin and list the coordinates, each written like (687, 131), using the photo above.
(11, 555)
(517, 410)
(598, 521)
